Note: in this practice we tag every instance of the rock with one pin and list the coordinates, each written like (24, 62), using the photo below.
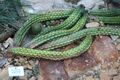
(28, 66)
(104, 50)
(79, 64)
(101, 51)
(92, 24)
(118, 40)
(52, 70)
(80, 77)
(112, 68)
(114, 37)
(8, 42)
(4, 74)
(22, 78)
(35, 70)
(118, 46)
(89, 78)
(91, 4)
(112, 72)
(105, 65)
(6, 45)
(72, 1)
(28, 73)
(104, 76)
(116, 77)
(1, 48)
(34, 6)
(3, 61)
(33, 78)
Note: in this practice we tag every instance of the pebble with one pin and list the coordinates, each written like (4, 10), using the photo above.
(6, 45)
(8, 42)
(92, 24)
(112, 72)
(114, 38)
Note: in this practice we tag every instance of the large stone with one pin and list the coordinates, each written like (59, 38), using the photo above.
(101, 51)
(52, 70)
(104, 50)
(80, 64)
(34, 6)
(92, 24)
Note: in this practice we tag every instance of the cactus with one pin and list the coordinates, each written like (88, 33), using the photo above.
(63, 41)
(54, 55)
(38, 18)
(52, 35)
(105, 12)
(110, 20)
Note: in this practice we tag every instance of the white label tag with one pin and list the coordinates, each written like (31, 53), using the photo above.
(16, 71)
